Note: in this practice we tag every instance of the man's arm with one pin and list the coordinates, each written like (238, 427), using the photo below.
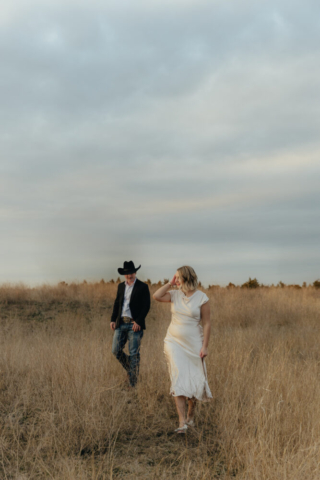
(115, 310)
(145, 305)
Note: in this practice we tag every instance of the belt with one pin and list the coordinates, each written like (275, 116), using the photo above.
(126, 319)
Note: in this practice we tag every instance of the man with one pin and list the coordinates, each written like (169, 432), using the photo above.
(130, 309)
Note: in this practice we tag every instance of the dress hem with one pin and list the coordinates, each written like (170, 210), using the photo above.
(204, 398)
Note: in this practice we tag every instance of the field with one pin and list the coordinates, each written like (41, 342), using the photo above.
(65, 412)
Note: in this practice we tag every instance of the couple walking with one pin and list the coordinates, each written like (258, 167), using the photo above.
(186, 342)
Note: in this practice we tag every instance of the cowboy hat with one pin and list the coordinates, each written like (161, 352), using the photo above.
(128, 268)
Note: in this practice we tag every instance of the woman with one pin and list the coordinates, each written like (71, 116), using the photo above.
(186, 342)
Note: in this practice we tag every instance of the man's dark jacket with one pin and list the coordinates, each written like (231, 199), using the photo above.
(139, 303)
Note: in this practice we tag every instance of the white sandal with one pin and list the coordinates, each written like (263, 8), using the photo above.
(190, 423)
(182, 429)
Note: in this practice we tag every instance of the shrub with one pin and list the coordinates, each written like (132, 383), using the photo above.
(251, 284)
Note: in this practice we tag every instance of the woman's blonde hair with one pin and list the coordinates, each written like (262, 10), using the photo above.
(188, 278)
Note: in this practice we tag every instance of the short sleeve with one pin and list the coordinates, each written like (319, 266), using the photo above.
(173, 294)
(204, 299)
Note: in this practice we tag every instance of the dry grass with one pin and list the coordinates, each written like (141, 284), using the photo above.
(65, 414)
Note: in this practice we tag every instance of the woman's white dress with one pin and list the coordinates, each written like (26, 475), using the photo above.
(182, 346)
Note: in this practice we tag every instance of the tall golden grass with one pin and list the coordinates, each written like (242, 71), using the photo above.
(65, 412)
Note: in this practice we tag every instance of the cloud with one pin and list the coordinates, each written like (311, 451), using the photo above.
(157, 130)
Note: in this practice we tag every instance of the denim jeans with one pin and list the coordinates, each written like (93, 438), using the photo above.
(129, 362)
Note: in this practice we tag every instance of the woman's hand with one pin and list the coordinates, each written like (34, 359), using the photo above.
(203, 352)
(173, 281)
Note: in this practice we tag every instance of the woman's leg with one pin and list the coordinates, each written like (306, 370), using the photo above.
(191, 408)
(181, 409)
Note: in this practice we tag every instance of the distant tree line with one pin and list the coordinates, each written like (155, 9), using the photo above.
(252, 283)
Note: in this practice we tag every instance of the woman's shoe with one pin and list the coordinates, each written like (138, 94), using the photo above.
(190, 423)
(182, 429)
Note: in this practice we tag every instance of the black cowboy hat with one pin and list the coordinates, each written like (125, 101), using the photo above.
(128, 268)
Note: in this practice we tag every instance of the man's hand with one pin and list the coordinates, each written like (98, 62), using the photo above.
(113, 325)
(136, 327)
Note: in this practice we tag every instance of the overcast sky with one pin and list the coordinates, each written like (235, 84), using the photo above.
(164, 132)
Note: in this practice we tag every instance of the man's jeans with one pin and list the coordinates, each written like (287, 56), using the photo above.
(129, 362)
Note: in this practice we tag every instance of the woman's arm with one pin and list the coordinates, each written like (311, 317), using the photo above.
(162, 294)
(205, 317)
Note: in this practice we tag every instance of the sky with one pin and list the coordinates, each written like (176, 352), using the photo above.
(170, 133)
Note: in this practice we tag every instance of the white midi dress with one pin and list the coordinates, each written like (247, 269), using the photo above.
(182, 346)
